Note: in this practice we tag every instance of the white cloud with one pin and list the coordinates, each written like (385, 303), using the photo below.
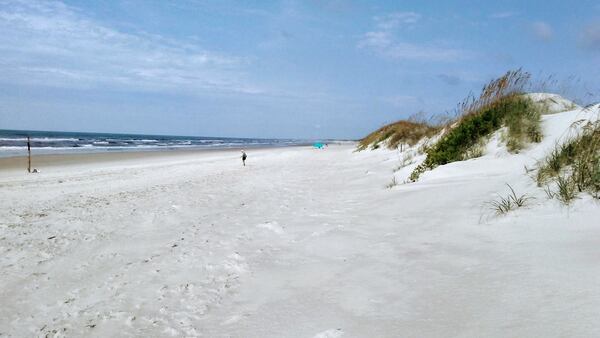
(50, 43)
(379, 40)
(385, 43)
(387, 46)
(396, 19)
(503, 15)
(542, 31)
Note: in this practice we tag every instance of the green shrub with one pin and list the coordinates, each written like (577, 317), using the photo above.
(420, 169)
(500, 103)
(470, 130)
(459, 141)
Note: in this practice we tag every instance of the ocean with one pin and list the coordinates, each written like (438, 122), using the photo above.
(14, 142)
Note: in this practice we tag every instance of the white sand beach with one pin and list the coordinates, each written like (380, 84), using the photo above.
(419, 169)
(299, 243)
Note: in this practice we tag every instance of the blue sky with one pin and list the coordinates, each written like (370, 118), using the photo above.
(305, 69)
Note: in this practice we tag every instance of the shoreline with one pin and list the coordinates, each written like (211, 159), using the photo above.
(40, 161)
(42, 151)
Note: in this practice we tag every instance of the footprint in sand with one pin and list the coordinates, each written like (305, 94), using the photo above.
(231, 320)
(273, 226)
(331, 333)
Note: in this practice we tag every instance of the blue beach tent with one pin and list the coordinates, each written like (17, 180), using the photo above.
(318, 145)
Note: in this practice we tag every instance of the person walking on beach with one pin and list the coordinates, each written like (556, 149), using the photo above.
(244, 156)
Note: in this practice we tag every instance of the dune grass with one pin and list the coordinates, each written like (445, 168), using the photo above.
(574, 166)
(500, 103)
(505, 204)
(408, 132)
(473, 127)
(392, 183)
(523, 125)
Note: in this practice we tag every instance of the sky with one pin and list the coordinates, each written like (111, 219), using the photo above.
(277, 69)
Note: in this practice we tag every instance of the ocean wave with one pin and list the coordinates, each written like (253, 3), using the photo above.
(12, 148)
(40, 139)
(13, 143)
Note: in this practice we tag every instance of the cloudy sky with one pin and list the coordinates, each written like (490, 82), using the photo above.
(306, 69)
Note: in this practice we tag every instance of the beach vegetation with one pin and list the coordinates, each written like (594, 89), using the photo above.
(392, 183)
(501, 103)
(574, 166)
(407, 159)
(566, 189)
(523, 125)
(512, 201)
(404, 132)
(476, 150)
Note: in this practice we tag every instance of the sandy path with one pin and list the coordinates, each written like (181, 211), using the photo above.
(300, 243)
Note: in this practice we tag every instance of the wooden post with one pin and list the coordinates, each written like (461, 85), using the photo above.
(29, 154)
